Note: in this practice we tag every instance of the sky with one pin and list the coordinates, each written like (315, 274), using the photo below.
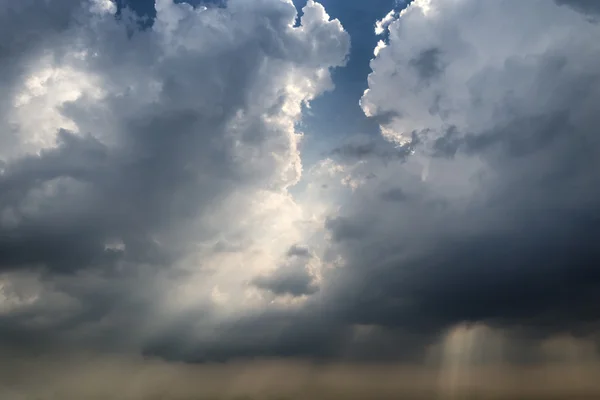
(335, 114)
(262, 198)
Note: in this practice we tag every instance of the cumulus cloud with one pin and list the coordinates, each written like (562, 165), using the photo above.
(154, 205)
(492, 216)
(132, 154)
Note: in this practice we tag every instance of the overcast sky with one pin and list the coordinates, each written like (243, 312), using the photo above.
(374, 197)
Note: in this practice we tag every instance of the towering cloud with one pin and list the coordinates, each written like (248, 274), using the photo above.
(494, 215)
(144, 173)
(156, 215)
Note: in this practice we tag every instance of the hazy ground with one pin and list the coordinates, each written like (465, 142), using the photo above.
(91, 377)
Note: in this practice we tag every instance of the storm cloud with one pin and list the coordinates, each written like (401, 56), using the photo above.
(507, 218)
(134, 155)
(157, 214)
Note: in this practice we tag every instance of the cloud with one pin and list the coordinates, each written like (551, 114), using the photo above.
(492, 217)
(153, 201)
(589, 7)
(134, 153)
(296, 277)
(427, 64)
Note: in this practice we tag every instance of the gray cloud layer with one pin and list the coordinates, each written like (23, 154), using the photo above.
(146, 203)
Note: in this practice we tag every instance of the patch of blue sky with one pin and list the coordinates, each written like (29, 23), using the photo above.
(336, 115)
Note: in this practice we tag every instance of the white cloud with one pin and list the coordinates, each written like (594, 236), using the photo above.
(444, 67)
(382, 25)
(103, 7)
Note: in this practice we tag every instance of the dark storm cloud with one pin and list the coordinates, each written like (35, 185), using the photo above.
(93, 223)
(144, 231)
(103, 194)
(70, 238)
(344, 229)
(28, 24)
(514, 244)
(587, 6)
(262, 333)
(172, 161)
(522, 276)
